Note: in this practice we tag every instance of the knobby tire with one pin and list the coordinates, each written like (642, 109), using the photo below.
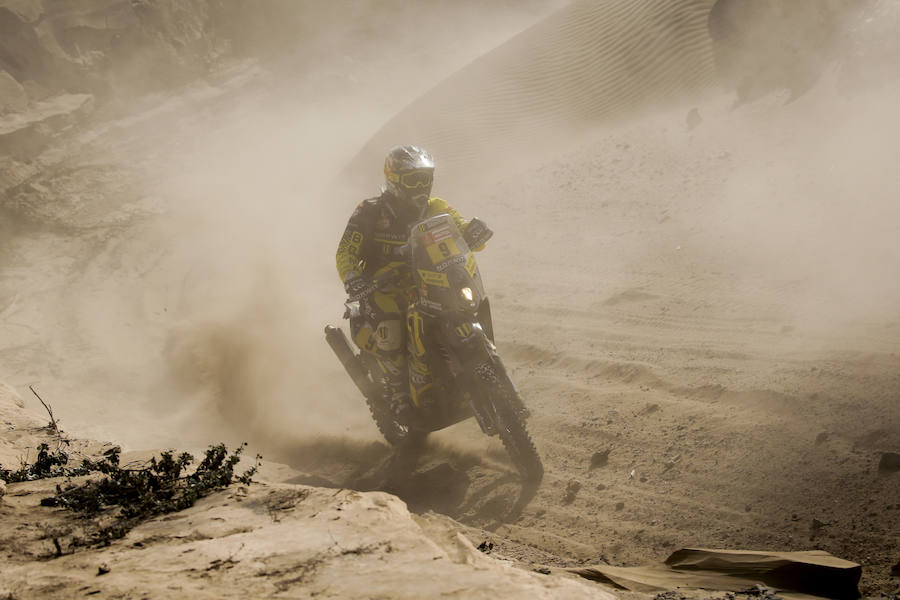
(512, 431)
(384, 418)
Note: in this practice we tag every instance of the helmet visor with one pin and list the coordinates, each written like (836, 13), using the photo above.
(416, 179)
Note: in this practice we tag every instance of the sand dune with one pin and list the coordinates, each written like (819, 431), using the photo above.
(585, 63)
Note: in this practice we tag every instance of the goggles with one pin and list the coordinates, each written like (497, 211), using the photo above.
(416, 179)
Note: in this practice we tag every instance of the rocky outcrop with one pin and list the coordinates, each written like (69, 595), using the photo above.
(104, 46)
(57, 57)
(258, 541)
(24, 133)
(273, 539)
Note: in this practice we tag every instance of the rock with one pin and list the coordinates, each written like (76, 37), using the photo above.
(815, 527)
(757, 590)
(103, 569)
(652, 407)
(895, 570)
(13, 97)
(670, 464)
(571, 491)
(889, 463)
(353, 544)
(2, 488)
(620, 505)
(600, 459)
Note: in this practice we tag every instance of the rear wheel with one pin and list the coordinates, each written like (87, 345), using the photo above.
(378, 401)
(379, 405)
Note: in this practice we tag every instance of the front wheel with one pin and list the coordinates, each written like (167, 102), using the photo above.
(518, 443)
(511, 428)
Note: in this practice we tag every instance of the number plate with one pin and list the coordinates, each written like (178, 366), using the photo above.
(438, 252)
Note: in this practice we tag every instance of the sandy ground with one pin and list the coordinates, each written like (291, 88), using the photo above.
(716, 307)
(743, 391)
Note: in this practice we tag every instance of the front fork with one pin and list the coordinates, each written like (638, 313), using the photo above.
(474, 357)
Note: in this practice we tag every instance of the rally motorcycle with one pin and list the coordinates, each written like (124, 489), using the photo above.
(453, 326)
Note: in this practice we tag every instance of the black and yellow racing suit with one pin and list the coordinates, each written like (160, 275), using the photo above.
(371, 243)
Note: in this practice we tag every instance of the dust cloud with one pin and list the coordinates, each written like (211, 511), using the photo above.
(215, 304)
(810, 205)
(205, 321)
(816, 213)
(700, 280)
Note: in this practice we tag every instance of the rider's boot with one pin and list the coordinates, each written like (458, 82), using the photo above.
(397, 391)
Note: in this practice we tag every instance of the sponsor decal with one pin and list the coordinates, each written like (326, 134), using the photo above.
(393, 237)
(453, 261)
(433, 278)
(471, 265)
(441, 234)
(350, 242)
(430, 305)
(464, 330)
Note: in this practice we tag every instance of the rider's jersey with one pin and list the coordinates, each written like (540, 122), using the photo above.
(377, 230)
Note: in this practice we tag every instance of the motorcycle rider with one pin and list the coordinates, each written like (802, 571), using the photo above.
(374, 244)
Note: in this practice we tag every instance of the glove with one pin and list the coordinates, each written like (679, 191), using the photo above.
(357, 287)
(402, 252)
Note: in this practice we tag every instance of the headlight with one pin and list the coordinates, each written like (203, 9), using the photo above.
(468, 298)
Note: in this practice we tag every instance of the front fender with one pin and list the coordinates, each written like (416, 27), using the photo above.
(466, 337)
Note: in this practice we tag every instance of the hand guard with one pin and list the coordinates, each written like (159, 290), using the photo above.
(477, 233)
(358, 288)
